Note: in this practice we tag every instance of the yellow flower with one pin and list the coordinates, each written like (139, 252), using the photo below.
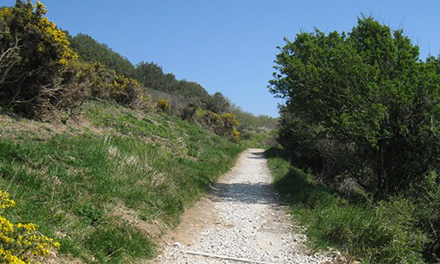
(5, 202)
(22, 241)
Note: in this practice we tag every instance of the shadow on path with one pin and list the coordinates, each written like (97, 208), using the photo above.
(243, 192)
(256, 155)
(248, 193)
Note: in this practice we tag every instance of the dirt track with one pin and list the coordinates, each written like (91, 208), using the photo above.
(240, 221)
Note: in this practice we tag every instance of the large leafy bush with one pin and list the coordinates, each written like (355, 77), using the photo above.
(365, 94)
(362, 107)
(35, 69)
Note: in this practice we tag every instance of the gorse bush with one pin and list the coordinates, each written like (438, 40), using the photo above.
(106, 84)
(36, 57)
(224, 125)
(230, 125)
(40, 73)
(163, 105)
(21, 243)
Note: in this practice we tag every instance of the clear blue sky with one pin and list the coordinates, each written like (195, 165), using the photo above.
(230, 45)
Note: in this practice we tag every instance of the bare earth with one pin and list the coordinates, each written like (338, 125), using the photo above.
(240, 222)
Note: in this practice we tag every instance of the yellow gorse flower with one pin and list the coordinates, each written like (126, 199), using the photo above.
(5, 202)
(21, 243)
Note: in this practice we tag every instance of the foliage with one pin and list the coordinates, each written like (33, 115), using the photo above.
(224, 125)
(367, 101)
(91, 51)
(230, 125)
(106, 84)
(36, 56)
(362, 108)
(383, 232)
(218, 103)
(210, 120)
(259, 139)
(152, 76)
(41, 74)
(21, 243)
(163, 105)
(250, 122)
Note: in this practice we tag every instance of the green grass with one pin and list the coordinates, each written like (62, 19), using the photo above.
(383, 232)
(72, 185)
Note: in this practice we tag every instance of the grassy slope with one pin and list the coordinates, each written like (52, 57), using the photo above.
(105, 190)
(376, 233)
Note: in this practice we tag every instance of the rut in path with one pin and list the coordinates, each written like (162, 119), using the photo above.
(240, 222)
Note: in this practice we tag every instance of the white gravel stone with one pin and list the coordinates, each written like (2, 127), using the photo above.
(251, 224)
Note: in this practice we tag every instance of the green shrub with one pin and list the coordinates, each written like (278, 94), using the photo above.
(224, 125)
(37, 56)
(360, 105)
(106, 84)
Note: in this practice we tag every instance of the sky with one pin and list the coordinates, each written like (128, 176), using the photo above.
(229, 46)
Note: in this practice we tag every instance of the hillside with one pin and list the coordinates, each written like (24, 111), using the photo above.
(110, 180)
(102, 156)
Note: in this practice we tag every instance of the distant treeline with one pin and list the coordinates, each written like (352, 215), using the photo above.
(181, 93)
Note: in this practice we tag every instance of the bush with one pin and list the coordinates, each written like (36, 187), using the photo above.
(224, 125)
(163, 105)
(365, 94)
(230, 125)
(36, 59)
(40, 73)
(21, 243)
(91, 51)
(106, 84)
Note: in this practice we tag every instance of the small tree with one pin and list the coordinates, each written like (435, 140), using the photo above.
(367, 94)
(218, 103)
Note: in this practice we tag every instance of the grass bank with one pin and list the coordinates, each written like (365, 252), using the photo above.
(110, 180)
(381, 232)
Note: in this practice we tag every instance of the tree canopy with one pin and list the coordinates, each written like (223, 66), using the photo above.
(91, 51)
(364, 96)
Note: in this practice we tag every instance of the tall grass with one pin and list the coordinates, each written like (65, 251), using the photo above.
(383, 232)
(88, 190)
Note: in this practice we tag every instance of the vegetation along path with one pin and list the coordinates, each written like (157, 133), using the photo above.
(240, 221)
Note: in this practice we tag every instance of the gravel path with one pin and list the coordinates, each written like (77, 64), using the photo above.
(248, 226)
